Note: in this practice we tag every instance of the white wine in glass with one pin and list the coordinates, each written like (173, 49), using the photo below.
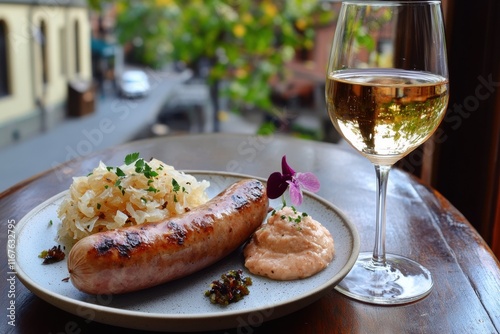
(387, 91)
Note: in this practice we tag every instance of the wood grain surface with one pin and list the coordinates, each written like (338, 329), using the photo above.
(422, 225)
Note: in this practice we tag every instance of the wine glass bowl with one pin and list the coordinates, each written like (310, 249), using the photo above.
(386, 93)
(386, 113)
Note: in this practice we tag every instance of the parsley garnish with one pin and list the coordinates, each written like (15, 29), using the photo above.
(149, 172)
(119, 172)
(141, 167)
(152, 189)
(118, 184)
(295, 220)
(131, 158)
(175, 185)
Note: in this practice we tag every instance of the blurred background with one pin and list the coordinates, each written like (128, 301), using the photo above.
(77, 76)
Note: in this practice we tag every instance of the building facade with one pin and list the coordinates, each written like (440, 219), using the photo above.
(44, 46)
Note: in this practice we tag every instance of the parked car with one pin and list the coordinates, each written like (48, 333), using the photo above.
(133, 83)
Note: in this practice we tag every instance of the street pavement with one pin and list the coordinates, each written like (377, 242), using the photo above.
(114, 122)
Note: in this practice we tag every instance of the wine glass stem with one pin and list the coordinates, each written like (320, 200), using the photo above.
(382, 173)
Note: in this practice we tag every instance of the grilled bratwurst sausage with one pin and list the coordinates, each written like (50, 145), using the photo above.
(141, 256)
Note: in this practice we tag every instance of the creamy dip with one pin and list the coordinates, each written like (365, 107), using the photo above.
(290, 246)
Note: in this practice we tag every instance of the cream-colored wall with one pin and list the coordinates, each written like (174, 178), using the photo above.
(19, 103)
(24, 57)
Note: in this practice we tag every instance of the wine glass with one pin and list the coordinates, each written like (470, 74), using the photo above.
(386, 93)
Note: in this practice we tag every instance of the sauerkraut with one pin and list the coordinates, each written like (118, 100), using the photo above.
(134, 193)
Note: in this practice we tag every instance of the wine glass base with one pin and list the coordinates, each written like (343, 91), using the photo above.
(400, 281)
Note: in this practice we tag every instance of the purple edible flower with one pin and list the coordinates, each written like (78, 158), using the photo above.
(277, 183)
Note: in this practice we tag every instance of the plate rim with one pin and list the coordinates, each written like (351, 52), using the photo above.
(63, 302)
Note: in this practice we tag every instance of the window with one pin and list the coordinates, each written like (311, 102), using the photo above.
(62, 42)
(4, 75)
(43, 49)
(77, 47)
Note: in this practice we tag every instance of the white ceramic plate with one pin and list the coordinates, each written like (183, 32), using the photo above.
(181, 305)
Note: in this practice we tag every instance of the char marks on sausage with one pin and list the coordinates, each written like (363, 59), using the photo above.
(141, 256)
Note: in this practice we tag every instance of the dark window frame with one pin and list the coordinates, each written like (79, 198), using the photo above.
(4, 66)
(77, 47)
(43, 51)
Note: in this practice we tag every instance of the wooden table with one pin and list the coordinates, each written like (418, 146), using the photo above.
(421, 225)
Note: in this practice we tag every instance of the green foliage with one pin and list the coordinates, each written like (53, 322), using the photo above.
(246, 41)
